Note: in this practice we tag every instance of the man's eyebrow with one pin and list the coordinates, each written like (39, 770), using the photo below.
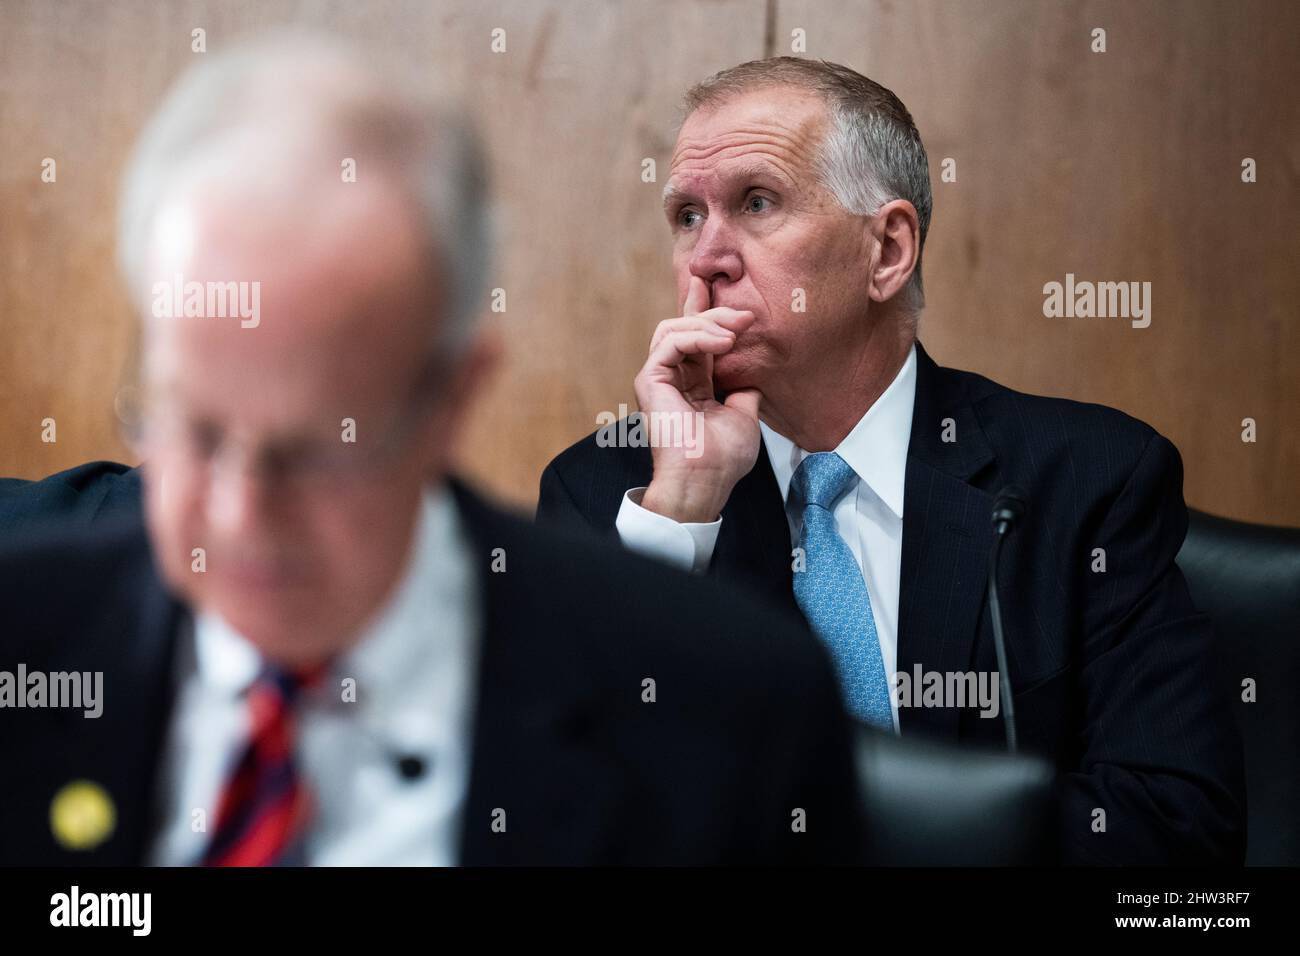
(671, 194)
(749, 171)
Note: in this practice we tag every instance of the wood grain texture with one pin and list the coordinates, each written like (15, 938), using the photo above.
(1123, 165)
(1116, 166)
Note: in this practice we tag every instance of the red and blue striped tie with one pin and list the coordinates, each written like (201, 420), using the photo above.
(265, 806)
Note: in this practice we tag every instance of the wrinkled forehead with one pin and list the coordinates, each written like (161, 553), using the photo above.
(778, 127)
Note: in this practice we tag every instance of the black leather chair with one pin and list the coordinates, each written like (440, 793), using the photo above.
(931, 804)
(1246, 577)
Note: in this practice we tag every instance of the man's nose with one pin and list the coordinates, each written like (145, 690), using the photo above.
(716, 255)
(237, 495)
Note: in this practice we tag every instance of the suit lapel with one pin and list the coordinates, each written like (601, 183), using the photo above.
(946, 540)
(120, 751)
(754, 541)
(536, 762)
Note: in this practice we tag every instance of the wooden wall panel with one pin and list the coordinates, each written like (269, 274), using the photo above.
(1123, 165)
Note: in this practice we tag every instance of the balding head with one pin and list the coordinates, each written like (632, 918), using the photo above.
(290, 118)
(304, 241)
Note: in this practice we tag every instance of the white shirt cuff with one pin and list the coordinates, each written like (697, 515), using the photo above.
(687, 545)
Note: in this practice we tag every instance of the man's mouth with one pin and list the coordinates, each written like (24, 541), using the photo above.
(262, 574)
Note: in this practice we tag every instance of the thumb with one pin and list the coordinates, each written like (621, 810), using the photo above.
(697, 296)
(745, 400)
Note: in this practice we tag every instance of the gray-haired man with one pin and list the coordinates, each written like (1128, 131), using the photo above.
(798, 205)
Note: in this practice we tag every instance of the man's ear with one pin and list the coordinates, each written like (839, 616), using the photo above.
(482, 356)
(472, 373)
(897, 234)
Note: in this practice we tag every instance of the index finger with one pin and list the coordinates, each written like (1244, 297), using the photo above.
(697, 296)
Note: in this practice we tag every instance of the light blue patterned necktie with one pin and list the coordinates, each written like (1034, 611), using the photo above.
(831, 591)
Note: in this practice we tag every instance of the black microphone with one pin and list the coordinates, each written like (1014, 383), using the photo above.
(1008, 508)
(410, 766)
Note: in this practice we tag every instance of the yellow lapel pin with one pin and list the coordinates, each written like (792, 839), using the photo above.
(82, 815)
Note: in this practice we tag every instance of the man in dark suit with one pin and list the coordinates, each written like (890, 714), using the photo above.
(742, 758)
(789, 416)
(84, 496)
(311, 645)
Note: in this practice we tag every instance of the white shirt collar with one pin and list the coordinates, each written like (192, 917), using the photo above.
(390, 650)
(876, 448)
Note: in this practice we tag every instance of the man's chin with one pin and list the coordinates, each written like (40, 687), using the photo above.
(732, 372)
(285, 633)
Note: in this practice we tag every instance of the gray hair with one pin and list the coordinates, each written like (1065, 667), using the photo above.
(871, 153)
(371, 114)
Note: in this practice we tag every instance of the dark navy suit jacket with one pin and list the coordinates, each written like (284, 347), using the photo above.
(1114, 672)
(588, 772)
(89, 494)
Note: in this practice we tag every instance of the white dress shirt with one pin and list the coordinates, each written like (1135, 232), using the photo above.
(869, 518)
(415, 671)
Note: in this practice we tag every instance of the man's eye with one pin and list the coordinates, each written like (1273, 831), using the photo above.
(684, 218)
(754, 203)
(203, 439)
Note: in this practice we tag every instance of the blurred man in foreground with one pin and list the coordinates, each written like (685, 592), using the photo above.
(320, 648)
